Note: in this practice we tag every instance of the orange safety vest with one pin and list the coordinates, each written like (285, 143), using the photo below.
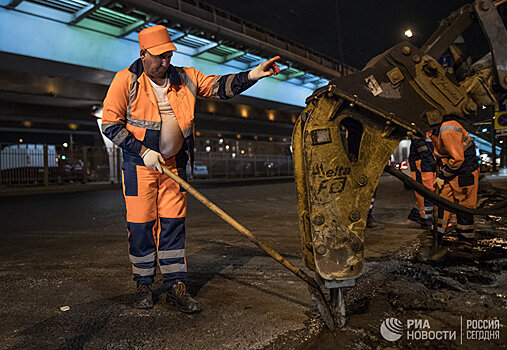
(454, 149)
(130, 116)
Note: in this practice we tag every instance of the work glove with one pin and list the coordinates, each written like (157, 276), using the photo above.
(153, 160)
(438, 184)
(265, 69)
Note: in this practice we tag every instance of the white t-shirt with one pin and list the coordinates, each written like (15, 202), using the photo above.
(171, 138)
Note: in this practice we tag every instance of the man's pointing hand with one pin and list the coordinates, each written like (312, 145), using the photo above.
(265, 69)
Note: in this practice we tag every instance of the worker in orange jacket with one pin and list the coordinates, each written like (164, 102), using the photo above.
(149, 113)
(457, 177)
(422, 167)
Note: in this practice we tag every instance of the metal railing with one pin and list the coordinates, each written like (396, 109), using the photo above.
(215, 165)
(24, 165)
(44, 165)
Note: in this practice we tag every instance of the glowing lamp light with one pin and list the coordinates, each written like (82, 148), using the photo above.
(484, 130)
(244, 111)
(65, 144)
(408, 33)
(27, 123)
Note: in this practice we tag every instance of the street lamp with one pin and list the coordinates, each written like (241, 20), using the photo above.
(408, 33)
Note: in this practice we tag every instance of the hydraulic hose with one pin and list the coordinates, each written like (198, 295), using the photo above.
(498, 210)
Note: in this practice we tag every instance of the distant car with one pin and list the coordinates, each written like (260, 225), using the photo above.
(200, 170)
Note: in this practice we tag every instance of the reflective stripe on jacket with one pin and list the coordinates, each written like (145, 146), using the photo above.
(454, 149)
(421, 149)
(130, 116)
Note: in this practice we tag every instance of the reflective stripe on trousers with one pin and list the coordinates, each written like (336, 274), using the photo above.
(156, 210)
(425, 178)
(462, 195)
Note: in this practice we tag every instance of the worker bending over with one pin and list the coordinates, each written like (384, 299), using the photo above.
(457, 176)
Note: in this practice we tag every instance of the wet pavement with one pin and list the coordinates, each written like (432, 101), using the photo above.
(70, 250)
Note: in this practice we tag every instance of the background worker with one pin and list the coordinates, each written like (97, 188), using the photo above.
(457, 176)
(422, 167)
(149, 113)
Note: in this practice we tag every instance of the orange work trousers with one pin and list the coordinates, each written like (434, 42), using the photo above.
(156, 210)
(424, 206)
(462, 190)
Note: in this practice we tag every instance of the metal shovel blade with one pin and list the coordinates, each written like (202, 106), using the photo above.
(433, 253)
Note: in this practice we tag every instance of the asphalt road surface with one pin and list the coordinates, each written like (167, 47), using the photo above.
(70, 250)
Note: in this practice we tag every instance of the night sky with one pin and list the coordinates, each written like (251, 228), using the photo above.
(366, 27)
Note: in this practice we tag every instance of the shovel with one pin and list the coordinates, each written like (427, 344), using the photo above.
(315, 291)
(436, 252)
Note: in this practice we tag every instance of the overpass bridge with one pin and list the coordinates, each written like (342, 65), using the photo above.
(57, 58)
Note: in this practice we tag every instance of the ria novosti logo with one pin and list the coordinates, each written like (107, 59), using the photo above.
(391, 329)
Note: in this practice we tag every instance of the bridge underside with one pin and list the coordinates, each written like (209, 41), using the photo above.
(54, 76)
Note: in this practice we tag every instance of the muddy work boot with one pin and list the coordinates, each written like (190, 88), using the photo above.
(178, 295)
(143, 299)
(415, 216)
(466, 240)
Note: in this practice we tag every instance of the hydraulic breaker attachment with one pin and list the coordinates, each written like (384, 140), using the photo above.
(339, 153)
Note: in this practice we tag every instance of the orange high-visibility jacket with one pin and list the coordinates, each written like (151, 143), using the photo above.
(454, 149)
(130, 116)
